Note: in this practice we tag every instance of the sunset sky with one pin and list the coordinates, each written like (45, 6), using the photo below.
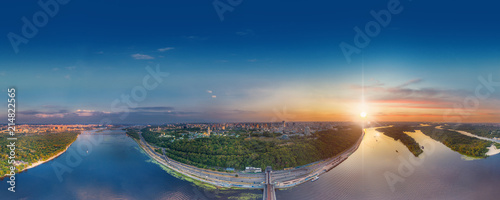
(255, 65)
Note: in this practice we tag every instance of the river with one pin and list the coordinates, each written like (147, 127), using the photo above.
(116, 168)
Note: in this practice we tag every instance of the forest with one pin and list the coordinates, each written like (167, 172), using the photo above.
(488, 131)
(132, 133)
(218, 152)
(33, 148)
(458, 142)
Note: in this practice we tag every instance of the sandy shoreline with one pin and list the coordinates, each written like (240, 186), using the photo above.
(49, 159)
(492, 150)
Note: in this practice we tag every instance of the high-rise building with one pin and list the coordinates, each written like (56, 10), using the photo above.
(307, 131)
(208, 131)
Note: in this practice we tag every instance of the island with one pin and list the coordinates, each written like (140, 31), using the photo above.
(483, 130)
(463, 144)
(397, 132)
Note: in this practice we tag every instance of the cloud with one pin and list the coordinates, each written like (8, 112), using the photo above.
(376, 82)
(238, 111)
(252, 60)
(194, 37)
(61, 113)
(209, 91)
(409, 98)
(55, 69)
(51, 106)
(213, 96)
(71, 68)
(138, 56)
(165, 49)
(85, 113)
(49, 115)
(410, 82)
(247, 32)
(67, 77)
(154, 108)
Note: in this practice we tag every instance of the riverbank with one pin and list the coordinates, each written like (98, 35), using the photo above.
(179, 169)
(492, 150)
(33, 165)
(220, 180)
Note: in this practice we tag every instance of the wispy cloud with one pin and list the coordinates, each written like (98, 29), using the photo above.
(247, 32)
(410, 82)
(411, 98)
(153, 108)
(194, 37)
(49, 115)
(252, 60)
(85, 113)
(139, 56)
(71, 68)
(165, 49)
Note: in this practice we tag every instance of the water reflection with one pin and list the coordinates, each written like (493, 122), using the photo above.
(114, 169)
(439, 173)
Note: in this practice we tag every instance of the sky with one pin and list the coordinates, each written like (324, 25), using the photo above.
(251, 61)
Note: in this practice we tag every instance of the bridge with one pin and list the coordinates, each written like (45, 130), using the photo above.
(269, 191)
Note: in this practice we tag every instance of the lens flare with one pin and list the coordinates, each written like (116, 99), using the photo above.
(363, 114)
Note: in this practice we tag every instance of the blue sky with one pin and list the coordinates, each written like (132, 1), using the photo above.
(265, 56)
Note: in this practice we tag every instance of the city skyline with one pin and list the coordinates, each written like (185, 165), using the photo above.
(254, 66)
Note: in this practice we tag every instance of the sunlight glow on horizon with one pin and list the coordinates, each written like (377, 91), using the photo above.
(363, 114)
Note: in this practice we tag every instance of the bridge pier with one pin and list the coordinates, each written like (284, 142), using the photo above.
(269, 191)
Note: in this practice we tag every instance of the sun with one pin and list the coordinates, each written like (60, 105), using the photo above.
(362, 114)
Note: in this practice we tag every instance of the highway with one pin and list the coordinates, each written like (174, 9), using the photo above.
(221, 179)
(268, 180)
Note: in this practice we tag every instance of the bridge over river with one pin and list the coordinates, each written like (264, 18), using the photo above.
(269, 191)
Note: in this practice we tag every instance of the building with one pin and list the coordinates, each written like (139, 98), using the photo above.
(307, 131)
(253, 170)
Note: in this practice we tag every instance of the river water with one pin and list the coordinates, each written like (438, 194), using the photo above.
(116, 168)
(439, 173)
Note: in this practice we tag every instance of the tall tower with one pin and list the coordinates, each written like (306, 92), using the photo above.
(284, 124)
(208, 131)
